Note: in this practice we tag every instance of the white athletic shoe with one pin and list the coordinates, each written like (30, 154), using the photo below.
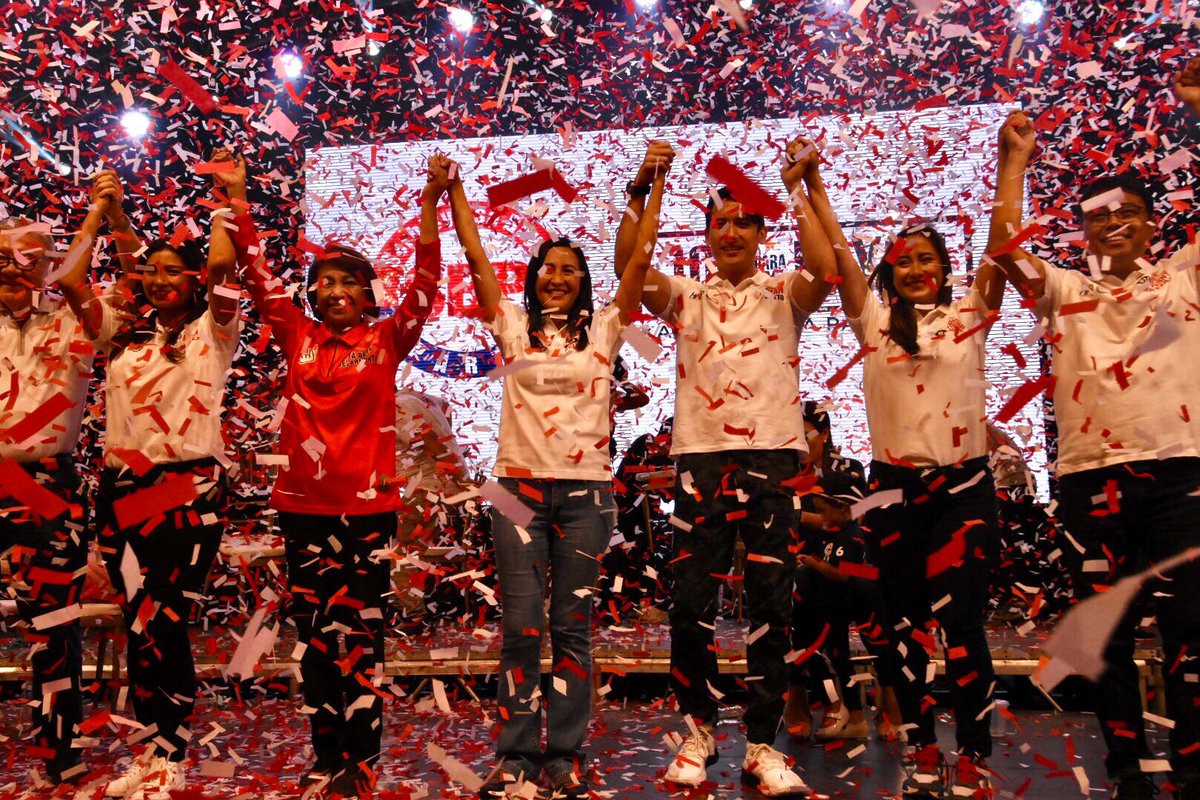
(690, 765)
(132, 779)
(162, 777)
(767, 770)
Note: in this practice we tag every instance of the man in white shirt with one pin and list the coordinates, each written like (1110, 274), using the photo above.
(45, 366)
(738, 440)
(1124, 333)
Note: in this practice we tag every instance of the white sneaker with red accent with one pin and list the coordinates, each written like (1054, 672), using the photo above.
(690, 765)
(767, 770)
(161, 779)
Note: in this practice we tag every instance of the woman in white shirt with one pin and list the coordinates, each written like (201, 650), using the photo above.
(923, 378)
(553, 456)
(161, 507)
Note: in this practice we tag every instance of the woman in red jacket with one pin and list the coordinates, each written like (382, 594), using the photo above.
(337, 516)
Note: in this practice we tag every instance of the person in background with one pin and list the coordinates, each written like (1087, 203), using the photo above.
(835, 589)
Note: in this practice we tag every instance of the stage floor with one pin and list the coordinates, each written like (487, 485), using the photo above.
(256, 749)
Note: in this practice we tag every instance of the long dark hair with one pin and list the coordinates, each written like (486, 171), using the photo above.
(145, 320)
(903, 330)
(579, 315)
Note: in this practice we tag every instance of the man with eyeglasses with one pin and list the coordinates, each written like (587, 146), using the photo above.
(45, 365)
(1124, 332)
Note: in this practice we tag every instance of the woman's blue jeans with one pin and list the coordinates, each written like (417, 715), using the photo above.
(572, 524)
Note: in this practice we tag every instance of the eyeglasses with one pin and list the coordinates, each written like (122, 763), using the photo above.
(26, 265)
(1122, 214)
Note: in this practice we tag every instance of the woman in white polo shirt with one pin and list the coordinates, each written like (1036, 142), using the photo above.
(553, 456)
(923, 378)
(162, 493)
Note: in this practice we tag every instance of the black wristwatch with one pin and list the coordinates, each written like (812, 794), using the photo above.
(637, 189)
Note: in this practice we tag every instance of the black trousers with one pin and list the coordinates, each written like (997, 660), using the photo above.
(823, 611)
(338, 587)
(721, 496)
(48, 558)
(936, 550)
(174, 554)
(1126, 517)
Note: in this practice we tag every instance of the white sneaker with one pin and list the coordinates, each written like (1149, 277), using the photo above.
(690, 765)
(162, 777)
(767, 770)
(132, 779)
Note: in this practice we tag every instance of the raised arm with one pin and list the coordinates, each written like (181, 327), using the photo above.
(852, 286)
(483, 274)
(1187, 86)
(1027, 273)
(107, 185)
(75, 281)
(222, 255)
(633, 276)
(819, 262)
(656, 288)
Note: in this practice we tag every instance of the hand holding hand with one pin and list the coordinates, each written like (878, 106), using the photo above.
(1187, 85)
(657, 163)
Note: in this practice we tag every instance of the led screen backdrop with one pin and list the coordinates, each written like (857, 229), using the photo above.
(883, 170)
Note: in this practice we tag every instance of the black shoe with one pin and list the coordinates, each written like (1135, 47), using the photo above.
(1134, 786)
(353, 781)
(568, 787)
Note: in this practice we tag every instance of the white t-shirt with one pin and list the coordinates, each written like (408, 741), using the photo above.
(1128, 387)
(170, 412)
(929, 409)
(416, 417)
(737, 381)
(554, 420)
(47, 356)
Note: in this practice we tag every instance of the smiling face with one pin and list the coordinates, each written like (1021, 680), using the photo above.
(168, 284)
(918, 272)
(558, 280)
(734, 239)
(22, 270)
(1122, 233)
(342, 297)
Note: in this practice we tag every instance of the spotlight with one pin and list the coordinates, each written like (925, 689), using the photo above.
(289, 65)
(136, 123)
(646, 5)
(374, 48)
(462, 20)
(64, 169)
(746, 4)
(1030, 11)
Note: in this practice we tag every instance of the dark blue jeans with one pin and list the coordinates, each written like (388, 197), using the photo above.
(572, 524)
(936, 550)
(48, 559)
(1127, 517)
(723, 496)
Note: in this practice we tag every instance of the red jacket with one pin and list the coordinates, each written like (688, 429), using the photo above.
(338, 431)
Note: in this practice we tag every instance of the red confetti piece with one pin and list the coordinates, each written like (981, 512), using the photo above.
(16, 482)
(754, 198)
(154, 500)
(188, 87)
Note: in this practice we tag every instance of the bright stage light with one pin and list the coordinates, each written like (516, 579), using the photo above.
(645, 5)
(289, 65)
(1030, 11)
(374, 48)
(746, 4)
(462, 20)
(136, 123)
